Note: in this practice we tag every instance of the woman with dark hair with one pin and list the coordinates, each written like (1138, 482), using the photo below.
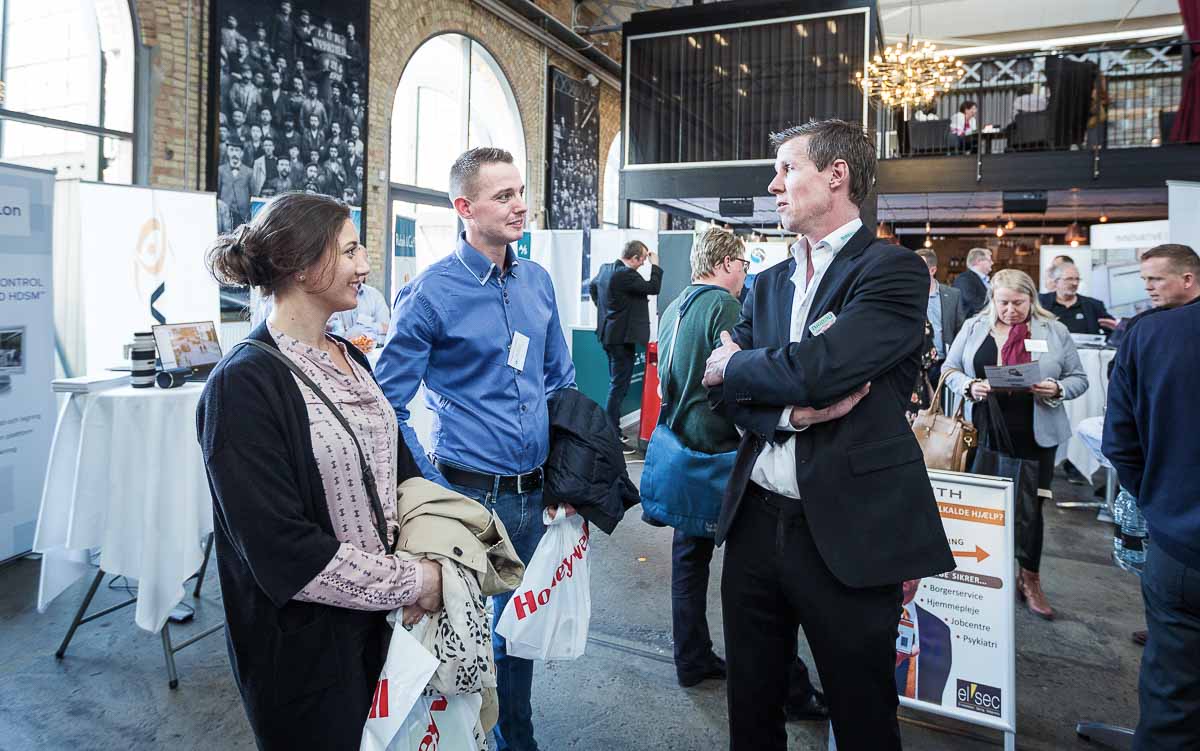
(303, 459)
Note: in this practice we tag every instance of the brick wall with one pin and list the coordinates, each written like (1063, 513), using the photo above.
(398, 28)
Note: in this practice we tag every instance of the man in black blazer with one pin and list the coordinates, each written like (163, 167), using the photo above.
(974, 283)
(622, 299)
(945, 313)
(829, 507)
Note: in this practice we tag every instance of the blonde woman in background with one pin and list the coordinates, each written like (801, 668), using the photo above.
(1014, 329)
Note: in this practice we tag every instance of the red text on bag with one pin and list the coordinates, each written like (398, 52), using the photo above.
(526, 603)
(379, 704)
(432, 735)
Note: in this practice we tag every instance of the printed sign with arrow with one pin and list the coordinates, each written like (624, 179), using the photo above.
(979, 554)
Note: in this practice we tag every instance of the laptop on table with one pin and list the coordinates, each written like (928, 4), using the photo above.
(188, 345)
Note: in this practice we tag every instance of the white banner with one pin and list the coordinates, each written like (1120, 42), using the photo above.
(141, 263)
(26, 350)
(955, 653)
(560, 253)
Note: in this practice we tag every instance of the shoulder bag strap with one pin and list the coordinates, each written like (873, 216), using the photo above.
(367, 475)
(664, 372)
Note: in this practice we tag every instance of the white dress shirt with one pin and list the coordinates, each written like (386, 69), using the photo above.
(775, 469)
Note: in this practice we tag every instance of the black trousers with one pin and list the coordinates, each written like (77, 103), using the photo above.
(774, 581)
(691, 558)
(620, 373)
(1169, 682)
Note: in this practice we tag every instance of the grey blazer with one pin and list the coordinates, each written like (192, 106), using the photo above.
(1051, 426)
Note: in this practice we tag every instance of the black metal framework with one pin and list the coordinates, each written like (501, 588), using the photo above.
(1106, 98)
(712, 94)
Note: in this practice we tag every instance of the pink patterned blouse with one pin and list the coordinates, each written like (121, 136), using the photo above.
(361, 575)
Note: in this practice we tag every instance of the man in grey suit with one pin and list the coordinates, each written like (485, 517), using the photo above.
(945, 313)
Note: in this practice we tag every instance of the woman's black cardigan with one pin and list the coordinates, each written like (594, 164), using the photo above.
(306, 672)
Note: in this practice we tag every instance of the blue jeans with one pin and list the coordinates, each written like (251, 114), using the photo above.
(1169, 682)
(620, 373)
(521, 514)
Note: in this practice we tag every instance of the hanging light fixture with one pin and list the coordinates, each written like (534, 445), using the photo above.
(928, 242)
(1103, 216)
(909, 73)
(1010, 224)
(884, 231)
(999, 231)
(1075, 235)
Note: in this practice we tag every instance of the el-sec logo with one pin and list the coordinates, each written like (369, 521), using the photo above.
(978, 698)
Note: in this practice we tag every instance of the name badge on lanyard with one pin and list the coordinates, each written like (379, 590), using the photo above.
(517, 351)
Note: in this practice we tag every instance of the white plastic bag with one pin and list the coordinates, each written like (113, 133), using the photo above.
(406, 672)
(548, 615)
(440, 723)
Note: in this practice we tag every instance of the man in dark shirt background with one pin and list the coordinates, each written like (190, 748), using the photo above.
(1079, 313)
(622, 299)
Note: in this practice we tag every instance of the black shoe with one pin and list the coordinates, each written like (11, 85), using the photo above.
(627, 447)
(812, 708)
(715, 670)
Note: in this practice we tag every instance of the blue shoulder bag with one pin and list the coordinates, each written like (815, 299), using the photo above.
(680, 487)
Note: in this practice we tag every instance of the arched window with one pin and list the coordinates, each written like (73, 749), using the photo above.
(452, 97)
(68, 75)
(640, 215)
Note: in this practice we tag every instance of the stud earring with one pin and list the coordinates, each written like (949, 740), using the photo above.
(302, 277)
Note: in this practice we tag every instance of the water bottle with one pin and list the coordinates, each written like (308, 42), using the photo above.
(1131, 552)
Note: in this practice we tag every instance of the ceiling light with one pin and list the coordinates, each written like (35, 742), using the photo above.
(1010, 224)
(1103, 218)
(999, 231)
(1075, 235)
(909, 73)
(928, 242)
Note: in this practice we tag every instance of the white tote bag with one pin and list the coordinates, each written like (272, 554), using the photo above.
(548, 615)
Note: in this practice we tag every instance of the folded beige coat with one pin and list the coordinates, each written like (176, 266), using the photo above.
(438, 521)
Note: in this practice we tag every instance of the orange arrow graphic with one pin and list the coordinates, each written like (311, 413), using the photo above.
(978, 554)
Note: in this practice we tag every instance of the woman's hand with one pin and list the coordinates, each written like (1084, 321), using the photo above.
(980, 390)
(411, 615)
(430, 598)
(1047, 389)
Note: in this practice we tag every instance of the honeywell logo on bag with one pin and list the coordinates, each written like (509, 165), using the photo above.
(526, 603)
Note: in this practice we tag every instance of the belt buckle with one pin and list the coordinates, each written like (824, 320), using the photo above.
(521, 484)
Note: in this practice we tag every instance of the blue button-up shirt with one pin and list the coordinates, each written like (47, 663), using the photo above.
(452, 328)
(934, 313)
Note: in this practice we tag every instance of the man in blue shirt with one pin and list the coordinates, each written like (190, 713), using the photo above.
(371, 317)
(481, 329)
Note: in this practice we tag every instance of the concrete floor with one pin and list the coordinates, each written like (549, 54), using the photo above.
(111, 690)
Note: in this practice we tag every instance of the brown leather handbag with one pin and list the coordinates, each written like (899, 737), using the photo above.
(945, 439)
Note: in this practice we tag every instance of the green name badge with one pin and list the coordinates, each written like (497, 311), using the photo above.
(822, 324)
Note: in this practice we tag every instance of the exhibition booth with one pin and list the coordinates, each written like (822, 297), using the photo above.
(114, 482)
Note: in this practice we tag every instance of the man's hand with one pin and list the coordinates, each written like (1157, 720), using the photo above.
(553, 510)
(652, 257)
(430, 599)
(802, 417)
(714, 369)
(1108, 323)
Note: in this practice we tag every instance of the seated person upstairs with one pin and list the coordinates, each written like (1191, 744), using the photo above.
(963, 123)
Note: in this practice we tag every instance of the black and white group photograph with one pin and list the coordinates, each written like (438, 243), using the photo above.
(574, 185)
(292, 94)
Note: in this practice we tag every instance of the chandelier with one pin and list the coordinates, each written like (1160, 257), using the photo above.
(910, 74)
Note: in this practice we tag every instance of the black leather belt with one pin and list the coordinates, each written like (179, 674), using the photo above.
(525, 483)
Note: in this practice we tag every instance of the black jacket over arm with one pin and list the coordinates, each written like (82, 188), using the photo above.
(306, 672)
(622, 304)
(862, 478)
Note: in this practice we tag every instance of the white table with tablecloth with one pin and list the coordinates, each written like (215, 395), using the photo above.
(1090, 404)
(126, 476)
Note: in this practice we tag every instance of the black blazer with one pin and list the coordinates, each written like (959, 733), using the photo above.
(974, 292)
(862, 478)
(953, 317)
(622, 303)
(306, 672)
